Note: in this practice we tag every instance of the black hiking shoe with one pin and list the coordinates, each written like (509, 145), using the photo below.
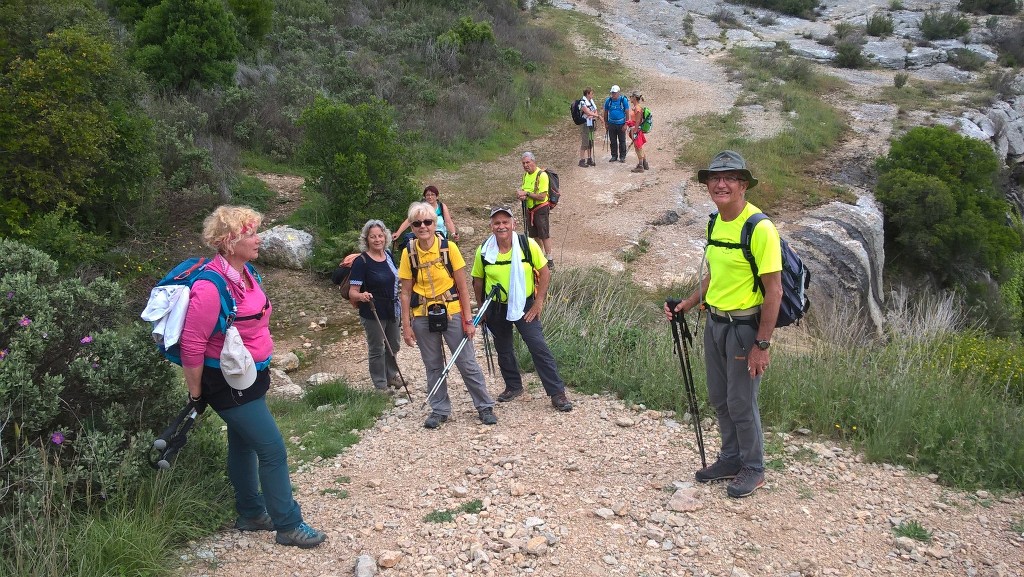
(509, 394)
(590, 162)
(718, 471)
(623, 159)
(560, 402)
(487, 416)
(583, 163)
(434, 420)
(614, 159)
(745, 483)
(262, 522)
(645, 165)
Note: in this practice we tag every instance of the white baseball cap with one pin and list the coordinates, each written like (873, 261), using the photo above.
(615, 88)
(236, 361)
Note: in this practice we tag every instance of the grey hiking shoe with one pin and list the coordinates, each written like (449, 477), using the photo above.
(509, 394)
(718, 471)
(745, 483)
(560, 402)
(303, 537)
(434, 420)
(262, 522)
(487, 416)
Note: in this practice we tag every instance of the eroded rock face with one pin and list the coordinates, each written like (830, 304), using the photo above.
(285, 247)
(843, 247)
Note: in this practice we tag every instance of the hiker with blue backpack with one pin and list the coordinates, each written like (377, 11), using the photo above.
(616, 112)
(227, 291)
(742, 299)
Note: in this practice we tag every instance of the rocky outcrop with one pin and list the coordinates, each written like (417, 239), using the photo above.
(285, 247)
(843, 247)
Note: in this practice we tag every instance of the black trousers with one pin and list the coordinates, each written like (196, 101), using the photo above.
(617, 136)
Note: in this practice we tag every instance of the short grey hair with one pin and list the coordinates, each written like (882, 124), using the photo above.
(420, 208)
(529, 155)
(370, 224)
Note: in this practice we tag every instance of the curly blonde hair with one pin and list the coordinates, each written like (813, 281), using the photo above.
(227, 225)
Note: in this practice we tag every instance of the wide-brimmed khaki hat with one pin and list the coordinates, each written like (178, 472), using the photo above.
(727, 161)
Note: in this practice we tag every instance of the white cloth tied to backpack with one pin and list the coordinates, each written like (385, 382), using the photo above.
(236, 361)
(166, 310)
(516, 276)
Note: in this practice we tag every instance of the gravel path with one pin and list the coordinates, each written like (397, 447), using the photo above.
(607, 489)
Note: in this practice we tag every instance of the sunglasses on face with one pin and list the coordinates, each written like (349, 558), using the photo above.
(424, 222)
(730, 179)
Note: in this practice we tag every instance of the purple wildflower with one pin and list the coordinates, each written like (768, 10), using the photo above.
(3, 354)
(86, 340)
(25, 321)
(57, 437)
(10, 295)
(95, 365)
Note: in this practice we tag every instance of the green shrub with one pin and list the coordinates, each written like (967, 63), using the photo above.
(880, 25)
(895, 5)
(943, 214)
(1010, 42)
(899, 80)
(1007, 7)
(359, 161)
(849, 54)
(801, 8)
(936, 25)
(844, 29)
(256, 16)
(965, 59)
(251, 191)
(913, 530)
(181, 43)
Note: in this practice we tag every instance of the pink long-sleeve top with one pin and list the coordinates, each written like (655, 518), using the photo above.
(198, 341)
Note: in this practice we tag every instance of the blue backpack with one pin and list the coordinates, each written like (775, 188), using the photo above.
(795, 276)
(194, 269)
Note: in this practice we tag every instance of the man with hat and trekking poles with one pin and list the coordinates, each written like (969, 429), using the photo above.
(516, 265)
(740, 322)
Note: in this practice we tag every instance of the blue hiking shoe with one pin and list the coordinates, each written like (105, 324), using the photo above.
(303, 537)
(262, 522)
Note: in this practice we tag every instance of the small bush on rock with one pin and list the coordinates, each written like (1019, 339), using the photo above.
(1006, 7)
(937, 26)
(880, 25)
(849, 54)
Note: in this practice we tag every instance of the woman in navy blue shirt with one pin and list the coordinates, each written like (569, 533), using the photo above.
(374, 288)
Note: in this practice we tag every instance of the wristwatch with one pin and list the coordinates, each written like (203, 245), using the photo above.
(763, 345)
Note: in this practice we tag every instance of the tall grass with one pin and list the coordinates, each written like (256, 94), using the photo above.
(915, 398)
(782, 161)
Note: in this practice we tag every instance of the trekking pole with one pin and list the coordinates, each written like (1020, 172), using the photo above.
(455, 354)
(679, 326)
(488, 352)
(391, 351)
(174, 437)
(526, 219)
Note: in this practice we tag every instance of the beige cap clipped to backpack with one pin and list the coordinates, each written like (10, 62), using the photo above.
(236, 361)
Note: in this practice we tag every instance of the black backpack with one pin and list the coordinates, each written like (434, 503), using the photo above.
(576, 109)
(795, 276)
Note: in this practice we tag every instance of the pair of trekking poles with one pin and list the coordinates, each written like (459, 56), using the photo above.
(683, 340)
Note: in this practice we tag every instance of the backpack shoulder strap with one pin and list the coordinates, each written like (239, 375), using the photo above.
(228, 307)
(746, 233)
(524, 244)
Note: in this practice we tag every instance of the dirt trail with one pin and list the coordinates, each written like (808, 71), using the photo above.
(590, 492)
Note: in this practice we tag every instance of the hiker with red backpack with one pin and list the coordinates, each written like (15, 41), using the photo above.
(740, 322)
(236, 387)
(536, 202)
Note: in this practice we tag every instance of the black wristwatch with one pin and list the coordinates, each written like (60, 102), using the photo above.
(763, 345)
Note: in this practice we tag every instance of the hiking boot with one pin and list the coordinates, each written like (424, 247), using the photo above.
(583, 163)
(385, 390)
(623, 159)
(639, 168)
(645, 165)
(262, 522)
(613, 159)
(303, 537)
(395, 382)
(434, 420)
(590, 162)
(718, 471)
(487, 416)
(561, 403)
(509, 394)
(745, 483)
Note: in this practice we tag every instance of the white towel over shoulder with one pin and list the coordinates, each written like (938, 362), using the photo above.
(517, 278)
(166, 310)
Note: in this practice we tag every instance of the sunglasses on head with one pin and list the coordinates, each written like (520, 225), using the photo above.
(424, 222)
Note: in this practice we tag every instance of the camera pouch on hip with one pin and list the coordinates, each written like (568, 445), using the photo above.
(437, 318)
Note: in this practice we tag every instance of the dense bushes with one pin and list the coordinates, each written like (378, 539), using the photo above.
(990, 6)
(801, 8)
(81, 386)
(943, 214)
(936, 25)
(359, 161)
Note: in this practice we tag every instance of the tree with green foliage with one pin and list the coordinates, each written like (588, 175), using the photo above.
(257, 17)
(359, 160)
(71, 134)
(181, 43)
(943, 213)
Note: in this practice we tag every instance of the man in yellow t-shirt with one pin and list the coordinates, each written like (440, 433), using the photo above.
(740, 322)
(505, 262)
(432, 285)
(535, 194)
